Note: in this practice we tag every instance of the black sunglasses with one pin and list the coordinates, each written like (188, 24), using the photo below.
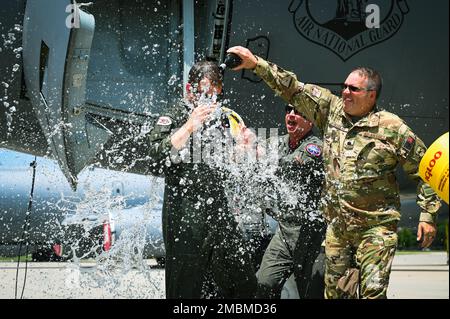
(289, 109)
(354, 88)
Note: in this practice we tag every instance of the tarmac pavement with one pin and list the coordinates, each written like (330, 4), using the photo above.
(419, 276)
(414, 276)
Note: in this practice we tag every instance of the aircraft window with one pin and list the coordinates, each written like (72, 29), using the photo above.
(130, 56)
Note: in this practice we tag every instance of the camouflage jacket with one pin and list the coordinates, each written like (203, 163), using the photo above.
(360, 158)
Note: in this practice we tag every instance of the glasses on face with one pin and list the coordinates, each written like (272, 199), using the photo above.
(353, 88)
(290, 108)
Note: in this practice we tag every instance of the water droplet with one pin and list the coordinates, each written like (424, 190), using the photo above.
(172, 79)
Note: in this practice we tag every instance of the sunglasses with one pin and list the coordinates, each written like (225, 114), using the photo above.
(289, 109)
(354, 88)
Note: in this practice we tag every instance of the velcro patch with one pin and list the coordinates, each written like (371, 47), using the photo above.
(164, 121)
(313, 149)
(286, 81)
(408, 144)
(316, 92)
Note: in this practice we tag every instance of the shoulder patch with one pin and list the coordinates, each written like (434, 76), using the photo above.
(286, 81)
(408, 144)
(313, 149)
(316, 92)
(164, 120)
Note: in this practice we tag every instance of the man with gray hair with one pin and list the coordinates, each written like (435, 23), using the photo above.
(362, 148)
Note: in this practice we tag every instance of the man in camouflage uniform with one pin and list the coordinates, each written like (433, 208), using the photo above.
(362, 148)
(200, 234)
(301, 228)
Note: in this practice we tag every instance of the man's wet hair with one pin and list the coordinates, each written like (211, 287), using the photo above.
(374, 80)
(205, 69)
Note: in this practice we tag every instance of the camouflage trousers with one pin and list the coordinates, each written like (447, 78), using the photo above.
(370, 250)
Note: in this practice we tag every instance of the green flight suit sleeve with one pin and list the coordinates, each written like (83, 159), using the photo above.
(312, 101)
(410, 151)
(163, 157)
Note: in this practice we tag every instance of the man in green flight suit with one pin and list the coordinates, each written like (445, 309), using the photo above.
(362, 148)
(301, 228)
(200, 234)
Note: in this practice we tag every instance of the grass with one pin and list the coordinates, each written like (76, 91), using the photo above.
(414, 252)
(14, 258)
(29, 259)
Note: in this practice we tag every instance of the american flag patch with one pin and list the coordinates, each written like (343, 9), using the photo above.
(408, 144)
(316, 92)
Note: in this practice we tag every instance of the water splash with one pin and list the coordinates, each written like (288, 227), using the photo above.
(113, 269)
(10, 39)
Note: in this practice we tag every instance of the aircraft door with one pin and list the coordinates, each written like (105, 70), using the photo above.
(57, 38)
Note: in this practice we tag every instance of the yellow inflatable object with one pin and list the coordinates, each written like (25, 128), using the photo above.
(433, 168)
(234, 121)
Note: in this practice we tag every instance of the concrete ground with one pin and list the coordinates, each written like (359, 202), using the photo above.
(88, 281)
(419, 276)
(414, 276)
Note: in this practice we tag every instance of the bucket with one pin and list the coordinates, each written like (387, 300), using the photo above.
(433, 168)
